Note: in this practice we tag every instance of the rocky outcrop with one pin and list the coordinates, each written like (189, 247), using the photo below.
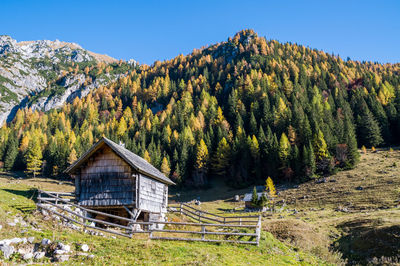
(27, 68)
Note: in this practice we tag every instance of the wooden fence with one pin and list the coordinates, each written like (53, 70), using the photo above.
(228, 226)
(203, 216)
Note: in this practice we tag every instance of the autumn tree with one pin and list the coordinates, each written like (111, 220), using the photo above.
(34, 157)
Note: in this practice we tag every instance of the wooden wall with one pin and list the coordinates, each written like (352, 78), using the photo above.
(106, 180)
(153, 195)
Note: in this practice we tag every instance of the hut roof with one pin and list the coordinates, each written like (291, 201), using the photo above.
(137, 162)
(249, 196)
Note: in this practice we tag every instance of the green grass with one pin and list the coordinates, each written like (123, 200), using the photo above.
(17, 200)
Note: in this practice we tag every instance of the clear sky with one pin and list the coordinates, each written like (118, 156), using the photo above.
(150, 30)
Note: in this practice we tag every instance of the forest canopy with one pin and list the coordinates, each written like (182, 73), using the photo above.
(240, 110)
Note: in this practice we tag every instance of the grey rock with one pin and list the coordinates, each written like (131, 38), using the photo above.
(59, 252)
(38, 255)
(31, 239)
(66, 248)
(91, 256)
(28, 256)
(61, 258)
(7, 251)
(46, 242)
(237, 198)
(85, 248)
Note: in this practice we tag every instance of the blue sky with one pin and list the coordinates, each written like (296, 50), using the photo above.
(156, 30)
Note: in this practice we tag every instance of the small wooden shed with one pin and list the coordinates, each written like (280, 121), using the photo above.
(112, 179)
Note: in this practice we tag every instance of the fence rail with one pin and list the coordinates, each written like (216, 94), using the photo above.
(200, 215)
(55, 204)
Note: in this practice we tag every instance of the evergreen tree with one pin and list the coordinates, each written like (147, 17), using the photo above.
(221, 158)
(368, 129)
(11, 153)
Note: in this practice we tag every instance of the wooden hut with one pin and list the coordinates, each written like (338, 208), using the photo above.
(112, 179)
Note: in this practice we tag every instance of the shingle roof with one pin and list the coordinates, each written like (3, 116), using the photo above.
(137, 162)
(249, 196)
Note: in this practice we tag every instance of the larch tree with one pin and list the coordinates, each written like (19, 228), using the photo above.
(34, 157)
(201, 164)
(165, 169)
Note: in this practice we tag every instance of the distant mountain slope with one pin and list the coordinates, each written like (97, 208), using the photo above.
(29, 68)
(242, 110)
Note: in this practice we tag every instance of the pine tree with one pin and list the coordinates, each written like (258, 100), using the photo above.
(254, 198)
(284, 149)
(11, 153)
(221, 158)
(368, 130)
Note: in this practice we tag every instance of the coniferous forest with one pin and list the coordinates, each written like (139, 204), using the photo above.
(239, 110)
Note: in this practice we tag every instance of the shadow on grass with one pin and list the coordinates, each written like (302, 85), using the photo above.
(368, 239)
(30, 194)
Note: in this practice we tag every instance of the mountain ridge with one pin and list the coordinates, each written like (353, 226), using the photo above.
(28, 68)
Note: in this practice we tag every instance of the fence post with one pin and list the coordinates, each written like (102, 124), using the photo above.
(40, 195)
(258, 230)
(224, 220)
(203, 229)
(180, 208)
(240, 221)
(199, 214)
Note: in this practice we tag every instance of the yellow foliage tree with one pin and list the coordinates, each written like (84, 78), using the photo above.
(34, 157)
(72, 157)
(165, 169)
(269, 185)
(146, 156)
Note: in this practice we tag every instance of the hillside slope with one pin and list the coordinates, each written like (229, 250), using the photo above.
(28, 68)
(16, 202)
(239, 110)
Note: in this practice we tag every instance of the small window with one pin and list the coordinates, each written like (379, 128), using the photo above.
(153, 186)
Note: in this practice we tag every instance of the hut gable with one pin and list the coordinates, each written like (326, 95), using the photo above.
(105, 180)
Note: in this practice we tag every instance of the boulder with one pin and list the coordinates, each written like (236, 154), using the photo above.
(65, 248)
(237, 198)
(28, 256)
(59, 252)
(7, 251)
(85, 248)
(61, 258)
(38, 255)
(46, 242)
(31, 239)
